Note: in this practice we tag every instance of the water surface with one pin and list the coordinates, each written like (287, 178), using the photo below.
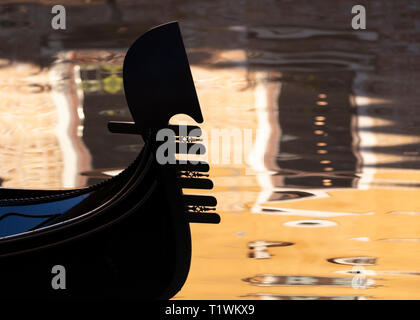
(329, 185)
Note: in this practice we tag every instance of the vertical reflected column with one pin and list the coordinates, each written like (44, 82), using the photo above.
(316, 120)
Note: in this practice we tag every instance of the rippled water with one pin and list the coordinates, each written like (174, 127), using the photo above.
(323, 205)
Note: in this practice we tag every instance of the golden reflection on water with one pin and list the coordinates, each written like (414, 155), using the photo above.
(277, 237)
(30, 153)
(352, 221)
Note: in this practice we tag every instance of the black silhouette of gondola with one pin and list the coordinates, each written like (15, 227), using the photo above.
(129, 236)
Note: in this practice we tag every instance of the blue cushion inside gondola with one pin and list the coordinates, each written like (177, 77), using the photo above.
(17, 219)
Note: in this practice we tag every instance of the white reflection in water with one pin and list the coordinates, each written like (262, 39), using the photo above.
(308, 213)
(270, 296)
(310, 223)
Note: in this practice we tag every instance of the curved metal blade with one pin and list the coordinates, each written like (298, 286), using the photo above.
(157, 78)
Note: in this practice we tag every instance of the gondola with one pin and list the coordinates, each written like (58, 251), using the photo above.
(128, 236)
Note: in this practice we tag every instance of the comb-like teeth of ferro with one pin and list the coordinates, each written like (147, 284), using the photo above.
(203, 217)
(199, 209)
(198, 200)
(189, 166)
(192, 175)
(182, 132)
(195, 183)
(190, 148)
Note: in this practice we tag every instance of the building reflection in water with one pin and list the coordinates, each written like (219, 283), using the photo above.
(258, 249)
(268, 280)
(81, 86)
(313, 145)
(354, 261)
(317, 143)
(268, 296)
